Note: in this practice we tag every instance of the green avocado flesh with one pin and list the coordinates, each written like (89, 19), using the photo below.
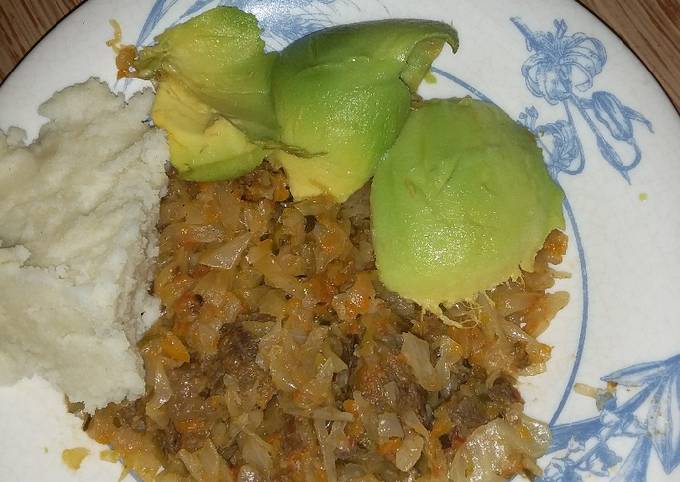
(460, 203)
(213, 70)
(219, 56)
(204, 146)
(342, 95)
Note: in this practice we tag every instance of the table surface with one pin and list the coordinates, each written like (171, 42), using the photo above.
(650, 27)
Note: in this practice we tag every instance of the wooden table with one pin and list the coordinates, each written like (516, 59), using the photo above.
(650, 27)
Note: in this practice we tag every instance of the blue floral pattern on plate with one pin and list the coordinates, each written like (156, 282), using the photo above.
(278, 30)
(561, 70)
(649, 419)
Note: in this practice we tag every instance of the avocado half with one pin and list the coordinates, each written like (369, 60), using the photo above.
(461, 202)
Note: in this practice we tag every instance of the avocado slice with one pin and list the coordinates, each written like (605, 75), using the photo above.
(219, 58)
(460, 203)
(204, 146)
(342, 95)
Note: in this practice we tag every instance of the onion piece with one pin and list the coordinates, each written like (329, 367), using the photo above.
(412, 421)
(498, 450)
(158, 379)
(331, 413)
(450, 353)
(206, 464)
(367, 415)
(256, 452)
(409, 452)
(227, 255)
(328, 442)
(417, 354)
(389, 426)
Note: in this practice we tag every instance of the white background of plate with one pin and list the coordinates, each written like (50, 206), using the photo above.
(632, 247)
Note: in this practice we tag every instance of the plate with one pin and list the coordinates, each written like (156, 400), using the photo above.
(611, 139)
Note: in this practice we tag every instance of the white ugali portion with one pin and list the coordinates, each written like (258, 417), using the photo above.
(78, 214)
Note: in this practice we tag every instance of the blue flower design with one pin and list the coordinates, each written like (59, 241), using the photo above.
(560, 62)
(560, 143)
(561, 69)
(281, 22)
(650, 418)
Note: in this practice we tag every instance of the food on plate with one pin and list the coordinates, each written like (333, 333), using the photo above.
(343, 93)
(203, 145)
(214, 93)
(326, 108)
(300, 335)
(78, 214)
(282, 357)
(461, 201)
(74, 457)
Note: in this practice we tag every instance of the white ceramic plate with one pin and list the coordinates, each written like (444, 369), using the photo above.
(611, 139)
